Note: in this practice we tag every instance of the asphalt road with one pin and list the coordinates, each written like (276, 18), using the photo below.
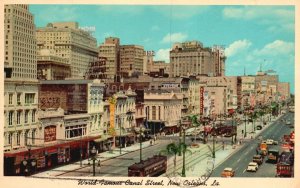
(118, 167)
(240, 160)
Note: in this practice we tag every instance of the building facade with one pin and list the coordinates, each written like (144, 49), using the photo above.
(110, 49)
(67, 41)
(163, 110)
(131, 60)
(20, 78)
(52, 67)
(191, 58)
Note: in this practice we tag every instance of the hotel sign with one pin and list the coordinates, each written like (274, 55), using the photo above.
(50, 133)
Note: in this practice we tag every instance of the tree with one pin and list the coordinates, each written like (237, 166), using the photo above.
(254, 116)
(174, 149)
(195, 123)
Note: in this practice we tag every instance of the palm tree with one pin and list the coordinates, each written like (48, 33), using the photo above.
(174, 149)
(195, 123)
(254, 116)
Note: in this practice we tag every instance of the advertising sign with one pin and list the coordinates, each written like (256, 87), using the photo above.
(50, 133)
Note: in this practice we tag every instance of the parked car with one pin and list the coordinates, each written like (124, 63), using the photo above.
(258, 159)
(288, 122)
(227, 172)
(269, 141)
(258, 127)
(252, 166)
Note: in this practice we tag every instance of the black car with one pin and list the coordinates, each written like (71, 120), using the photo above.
(258, 127)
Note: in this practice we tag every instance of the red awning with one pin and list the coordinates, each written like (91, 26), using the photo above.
(49, 148)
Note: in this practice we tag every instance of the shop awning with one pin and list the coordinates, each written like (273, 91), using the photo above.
(103, 138)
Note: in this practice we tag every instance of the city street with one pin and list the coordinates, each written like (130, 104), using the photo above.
(239, 160)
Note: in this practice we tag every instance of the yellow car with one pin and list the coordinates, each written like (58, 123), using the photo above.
(227, 173)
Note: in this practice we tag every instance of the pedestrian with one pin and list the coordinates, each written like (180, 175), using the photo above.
(151, 142)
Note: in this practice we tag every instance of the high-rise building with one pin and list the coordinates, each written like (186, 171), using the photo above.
(20, 79)
(69, 42)
(131, 60)
(110, 49)
(191, 58)
(20, 43)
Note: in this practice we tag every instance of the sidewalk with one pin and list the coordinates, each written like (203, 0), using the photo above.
(104, 156)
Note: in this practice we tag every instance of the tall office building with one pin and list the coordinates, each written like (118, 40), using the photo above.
(66, 40)
(191, 58)
(20, 79)
(110, 50)
(131, 60)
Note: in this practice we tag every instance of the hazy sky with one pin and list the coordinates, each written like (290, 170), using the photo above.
(250, 34)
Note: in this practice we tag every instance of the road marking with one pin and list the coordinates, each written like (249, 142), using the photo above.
(236, 168)
(244, 171)
(239, 160)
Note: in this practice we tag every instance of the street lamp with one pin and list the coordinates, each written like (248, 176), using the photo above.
(141, 134)
(29, 163)
(94, 159)
(130, 117)
(232, 128)
(245, 131)
(184, 125)
(214, 152)
(119, 120)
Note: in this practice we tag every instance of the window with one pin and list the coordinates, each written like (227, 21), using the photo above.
(18, 138)
(153, 112)
(26, 116)
(29, 98)
(10, 117)
(10, 97)
(9, 138)
(33, 136)
(159, 113)
(19, 98)
(19, 117)
(33, 116)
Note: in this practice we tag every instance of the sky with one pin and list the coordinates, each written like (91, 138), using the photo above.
(252, 35)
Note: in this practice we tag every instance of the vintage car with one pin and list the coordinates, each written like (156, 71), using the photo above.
(252, 166)
(227, 172)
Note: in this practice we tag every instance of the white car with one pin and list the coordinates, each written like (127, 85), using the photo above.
(252, 166)
(288, 122)
(270, 142)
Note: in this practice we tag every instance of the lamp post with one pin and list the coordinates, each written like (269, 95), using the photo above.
(232, 129)
(214, 152)
(119, 120)
(130, 117)
(28, 163)
(245, 131)
(140, 139)
(94, 159)
(184, 126)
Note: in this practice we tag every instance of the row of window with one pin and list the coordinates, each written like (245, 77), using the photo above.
(15, 138)
(29, 98)
(19, 114)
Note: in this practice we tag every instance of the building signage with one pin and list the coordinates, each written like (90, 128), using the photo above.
(50, 133)
(112, 102)
(201, 100)
(170, 85)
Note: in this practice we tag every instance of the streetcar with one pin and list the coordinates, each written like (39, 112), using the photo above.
(152, 167)
(285, 165)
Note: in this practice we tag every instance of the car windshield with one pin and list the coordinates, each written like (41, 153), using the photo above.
(252, 164)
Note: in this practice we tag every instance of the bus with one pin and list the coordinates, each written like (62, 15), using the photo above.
(152, 167)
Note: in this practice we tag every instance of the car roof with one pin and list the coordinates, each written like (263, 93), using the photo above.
(228, 169)
(252, 163)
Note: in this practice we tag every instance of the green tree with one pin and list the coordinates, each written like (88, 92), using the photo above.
(174, 149)
(195, 123)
